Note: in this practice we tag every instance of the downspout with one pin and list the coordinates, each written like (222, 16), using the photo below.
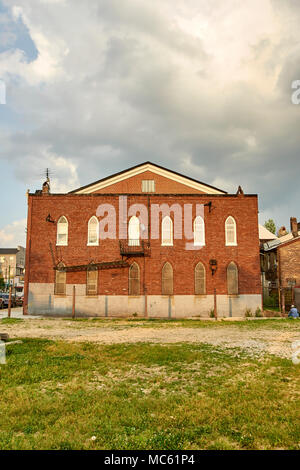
(27, 254)
(279, 277)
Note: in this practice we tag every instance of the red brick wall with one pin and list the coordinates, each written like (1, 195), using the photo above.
(162, 185)
(79, 208)
(290, 262)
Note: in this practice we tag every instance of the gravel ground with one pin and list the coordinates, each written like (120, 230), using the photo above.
(256, 341)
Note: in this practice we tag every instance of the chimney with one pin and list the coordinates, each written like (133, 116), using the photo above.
(281, 232)
(294, 227)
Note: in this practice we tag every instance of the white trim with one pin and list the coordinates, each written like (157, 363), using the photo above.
(171, 231)
(234, 243)
(64, 243)
(97, 242)
(201, 243)
(148, 167)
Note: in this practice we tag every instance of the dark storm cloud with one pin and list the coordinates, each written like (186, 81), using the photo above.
(205, 91)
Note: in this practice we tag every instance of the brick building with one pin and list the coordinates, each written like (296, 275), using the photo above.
(128, 252)
(12, 265)
(281, 266)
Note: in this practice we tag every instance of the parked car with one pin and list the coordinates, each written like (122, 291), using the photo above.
(5, 297)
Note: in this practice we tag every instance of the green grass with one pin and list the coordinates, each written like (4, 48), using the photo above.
(10, 321)
(57, 395)
(251, 324)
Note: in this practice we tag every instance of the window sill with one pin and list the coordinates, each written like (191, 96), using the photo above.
(201, 296)
(60, 295)
(167, 244)
(231, 244)
(92, 244)
(89, 296)
(61, 244)
(134, 296)
(233, 296)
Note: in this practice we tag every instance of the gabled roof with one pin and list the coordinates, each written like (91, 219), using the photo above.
(148, 166)
(265, 234)
(8, 251)
(281, 241)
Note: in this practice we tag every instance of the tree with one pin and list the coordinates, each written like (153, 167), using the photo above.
(270, 225)
(2, 283)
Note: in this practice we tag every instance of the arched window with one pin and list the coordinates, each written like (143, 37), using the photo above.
(134, 279)
(134, 231)
(60, 280)
(167, 279)
(232, 279)
(167, 231)
(93, 231)
(91, 281)
(199, 231)
(200, 282)
(62, 231)
(230, 232)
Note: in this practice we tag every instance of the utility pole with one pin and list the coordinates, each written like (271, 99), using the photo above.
(9, 303)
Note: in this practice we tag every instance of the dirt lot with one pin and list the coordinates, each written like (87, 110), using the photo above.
(256, 336)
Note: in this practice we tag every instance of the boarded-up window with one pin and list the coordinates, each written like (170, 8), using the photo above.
(134, 231)
(60, 280)
(93, 231)
(230, 232)
(199, 231)
(200, 287)
(62, 231)
(167, 279)
(91, 281)
(134, 279)
(167, 231)
(232, 279)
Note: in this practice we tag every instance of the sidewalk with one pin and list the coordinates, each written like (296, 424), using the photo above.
(16, 312)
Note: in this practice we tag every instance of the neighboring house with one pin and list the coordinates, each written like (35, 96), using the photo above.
(265, 236)
(12, 266)
(149, 261)
(280, 262)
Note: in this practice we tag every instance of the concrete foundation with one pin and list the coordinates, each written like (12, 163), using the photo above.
(43, 301)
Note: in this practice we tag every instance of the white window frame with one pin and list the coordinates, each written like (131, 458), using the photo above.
(165, 220)
(96, 243)
(228, 243)
(58, 242)
(201, 241)
(134, 227)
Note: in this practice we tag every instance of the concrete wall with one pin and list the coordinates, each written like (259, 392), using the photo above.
(42, 301)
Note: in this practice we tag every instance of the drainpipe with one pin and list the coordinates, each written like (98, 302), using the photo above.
(27, 255)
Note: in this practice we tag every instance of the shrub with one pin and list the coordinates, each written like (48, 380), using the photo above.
(258, 312)
(212, 313)
(248, 313)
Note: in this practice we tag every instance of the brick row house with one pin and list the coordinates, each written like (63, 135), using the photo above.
(146, 241)
(280, 263)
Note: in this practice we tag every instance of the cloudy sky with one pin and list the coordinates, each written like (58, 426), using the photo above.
(202, 87)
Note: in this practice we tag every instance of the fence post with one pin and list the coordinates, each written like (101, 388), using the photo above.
(215, 304)
(9, 303)
(73, 305)
(283, 300)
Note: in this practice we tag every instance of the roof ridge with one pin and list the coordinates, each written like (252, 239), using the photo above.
(140, 165)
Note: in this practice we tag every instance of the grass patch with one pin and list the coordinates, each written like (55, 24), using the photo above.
(10, 321)
(57, 395)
